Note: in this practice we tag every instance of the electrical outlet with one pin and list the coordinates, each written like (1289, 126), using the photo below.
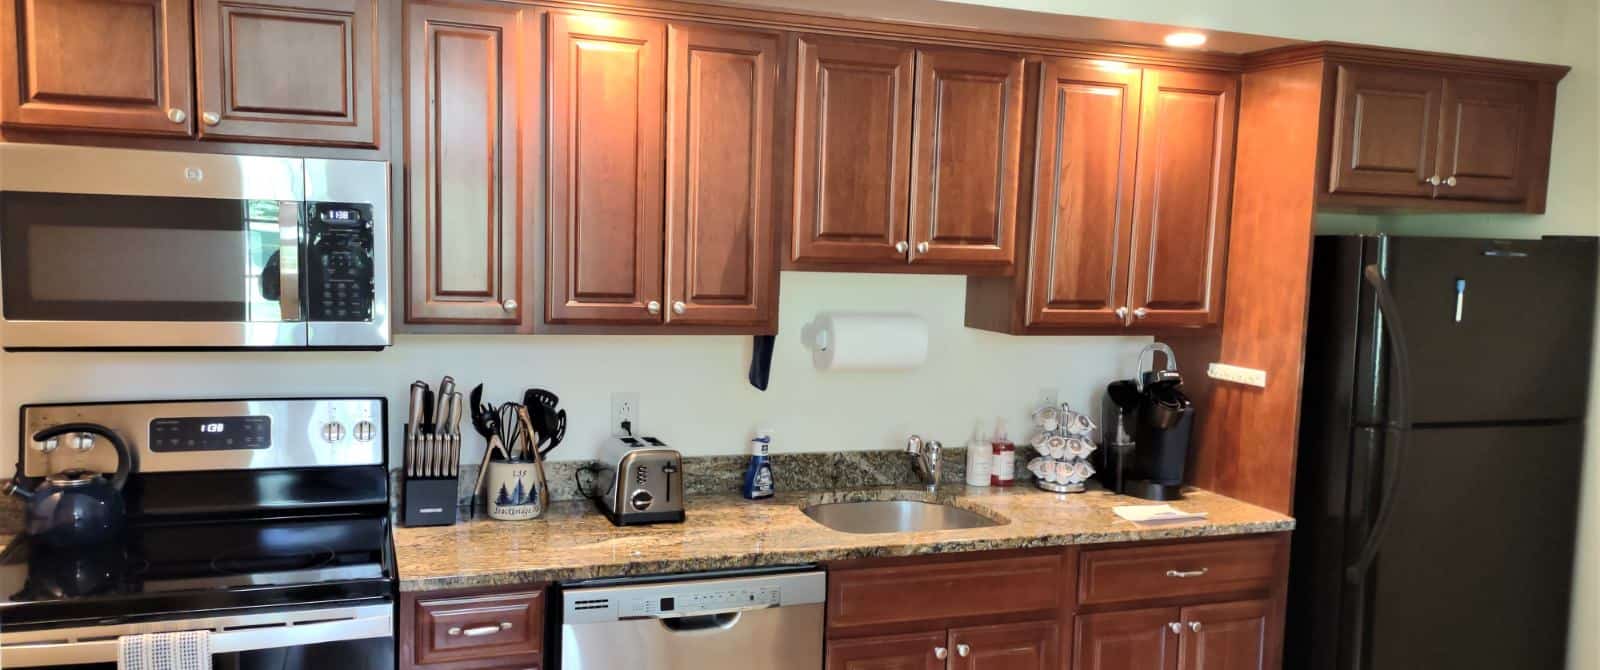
(624, 407)
(1047, 398)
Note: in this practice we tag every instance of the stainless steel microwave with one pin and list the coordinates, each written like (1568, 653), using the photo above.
(126, 249)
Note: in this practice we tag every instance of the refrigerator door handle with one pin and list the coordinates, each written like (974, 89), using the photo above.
(1399, 425)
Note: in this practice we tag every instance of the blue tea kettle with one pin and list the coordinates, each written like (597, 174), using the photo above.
(76, 508)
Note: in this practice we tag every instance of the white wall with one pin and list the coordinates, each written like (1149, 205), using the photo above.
(693, 390)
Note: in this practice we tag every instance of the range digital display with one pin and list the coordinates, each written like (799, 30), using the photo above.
(221, 433)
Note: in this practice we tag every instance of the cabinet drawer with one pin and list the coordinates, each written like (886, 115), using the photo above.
(1126, 574)
(936, 591)
(509, 626)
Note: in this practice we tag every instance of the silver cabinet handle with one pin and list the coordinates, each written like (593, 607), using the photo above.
(901, 247)
(1433, 181)
(1141, 313)
(1450, 181)
(177, 115)
(941, 653)
(962, 650)
(509, 305)
(1176, 628)
(678, 307)
(479, 631)
(1194, 626)
(1186, 574)
(653, 307)
(211, 118)
(922, 247)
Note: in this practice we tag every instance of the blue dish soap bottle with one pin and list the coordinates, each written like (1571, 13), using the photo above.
(758, 477)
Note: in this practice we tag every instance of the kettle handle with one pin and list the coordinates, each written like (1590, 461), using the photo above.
(124, 457)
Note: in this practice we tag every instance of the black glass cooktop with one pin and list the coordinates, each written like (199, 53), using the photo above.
(163, 569)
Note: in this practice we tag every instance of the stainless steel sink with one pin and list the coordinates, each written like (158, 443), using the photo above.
(895, 516)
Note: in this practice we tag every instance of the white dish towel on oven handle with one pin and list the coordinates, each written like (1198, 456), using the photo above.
(184, 650)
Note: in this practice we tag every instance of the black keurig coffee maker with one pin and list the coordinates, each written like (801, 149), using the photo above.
(1145, 431)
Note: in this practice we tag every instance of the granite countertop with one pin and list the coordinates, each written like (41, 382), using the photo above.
(573, 541)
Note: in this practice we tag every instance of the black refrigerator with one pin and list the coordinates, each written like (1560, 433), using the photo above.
(1441, 446)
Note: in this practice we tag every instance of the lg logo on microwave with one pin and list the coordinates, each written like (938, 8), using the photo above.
(194, 175)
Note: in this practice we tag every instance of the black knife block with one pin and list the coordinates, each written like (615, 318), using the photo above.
(428, 502)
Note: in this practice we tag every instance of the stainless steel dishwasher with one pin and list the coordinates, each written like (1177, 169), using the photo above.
(755, 620)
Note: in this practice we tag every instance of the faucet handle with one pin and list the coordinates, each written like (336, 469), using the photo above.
(914, 444)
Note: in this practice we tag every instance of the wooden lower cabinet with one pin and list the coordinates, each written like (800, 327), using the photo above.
(914, 651)
(473, 629)
(1022, 646)
(1225, 636)
(1134, 640)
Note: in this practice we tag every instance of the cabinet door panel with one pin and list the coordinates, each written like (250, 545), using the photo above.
(1135, 640)
(467, 130)
(722, 89)
(1487, 129)
(1385, 131)
(1182, 197)
(852, 150)
(1026, 646)
(607, 127)
(887, 652)
(297, 71)
(1083, 194)
(965, 157)
(1226, 636)
(98, 65)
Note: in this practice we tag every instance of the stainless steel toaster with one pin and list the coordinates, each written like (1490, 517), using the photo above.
(640, 480)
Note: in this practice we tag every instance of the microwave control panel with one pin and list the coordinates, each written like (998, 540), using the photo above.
(339, 252)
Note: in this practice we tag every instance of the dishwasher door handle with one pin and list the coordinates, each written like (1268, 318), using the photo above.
(701, 623)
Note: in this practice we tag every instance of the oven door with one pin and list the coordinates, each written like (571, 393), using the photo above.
(113, 248)
(352, 638)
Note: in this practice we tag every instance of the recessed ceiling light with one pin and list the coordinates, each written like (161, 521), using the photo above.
(1185, 39)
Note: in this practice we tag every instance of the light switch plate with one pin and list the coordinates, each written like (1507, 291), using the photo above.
(1237, 374)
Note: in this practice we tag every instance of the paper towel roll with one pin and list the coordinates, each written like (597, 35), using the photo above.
(868, 341)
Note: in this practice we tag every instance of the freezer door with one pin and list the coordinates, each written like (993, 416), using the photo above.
(1520, 348)
(1475, 572)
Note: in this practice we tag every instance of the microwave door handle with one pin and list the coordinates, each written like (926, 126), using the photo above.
(289, 259)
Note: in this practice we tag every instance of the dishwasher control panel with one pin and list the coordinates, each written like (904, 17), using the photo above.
(672, 599)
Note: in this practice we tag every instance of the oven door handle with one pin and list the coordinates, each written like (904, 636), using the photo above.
(289, 259)
(104, 650)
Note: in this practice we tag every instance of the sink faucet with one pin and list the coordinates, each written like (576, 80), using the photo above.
(925, 460)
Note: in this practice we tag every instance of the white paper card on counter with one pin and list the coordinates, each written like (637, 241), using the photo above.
(1154, 514)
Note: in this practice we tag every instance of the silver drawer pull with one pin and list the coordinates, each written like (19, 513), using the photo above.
(1185, 574)
(479, 631)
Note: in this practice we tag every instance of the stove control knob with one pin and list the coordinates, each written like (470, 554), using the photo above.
(47, 446)
(83, 441)
(333, 431)
(364, 430)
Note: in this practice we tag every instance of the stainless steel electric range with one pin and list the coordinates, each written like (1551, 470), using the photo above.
(261, 521)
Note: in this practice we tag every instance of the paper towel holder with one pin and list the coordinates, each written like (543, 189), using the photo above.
(816, 338)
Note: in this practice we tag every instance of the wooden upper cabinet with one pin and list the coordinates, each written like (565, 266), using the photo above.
(604, 227)
(1182, 196)
(915, 651)
(1088, 135)
(98, 66)
(293, 71)
(470, 147)
(722, 87)
(965, 157)
(1021, 646)
(852, 152)
(1133, 640)
(1411, 137)
(1487, 135)
(1225, 636)
(1387, 131)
